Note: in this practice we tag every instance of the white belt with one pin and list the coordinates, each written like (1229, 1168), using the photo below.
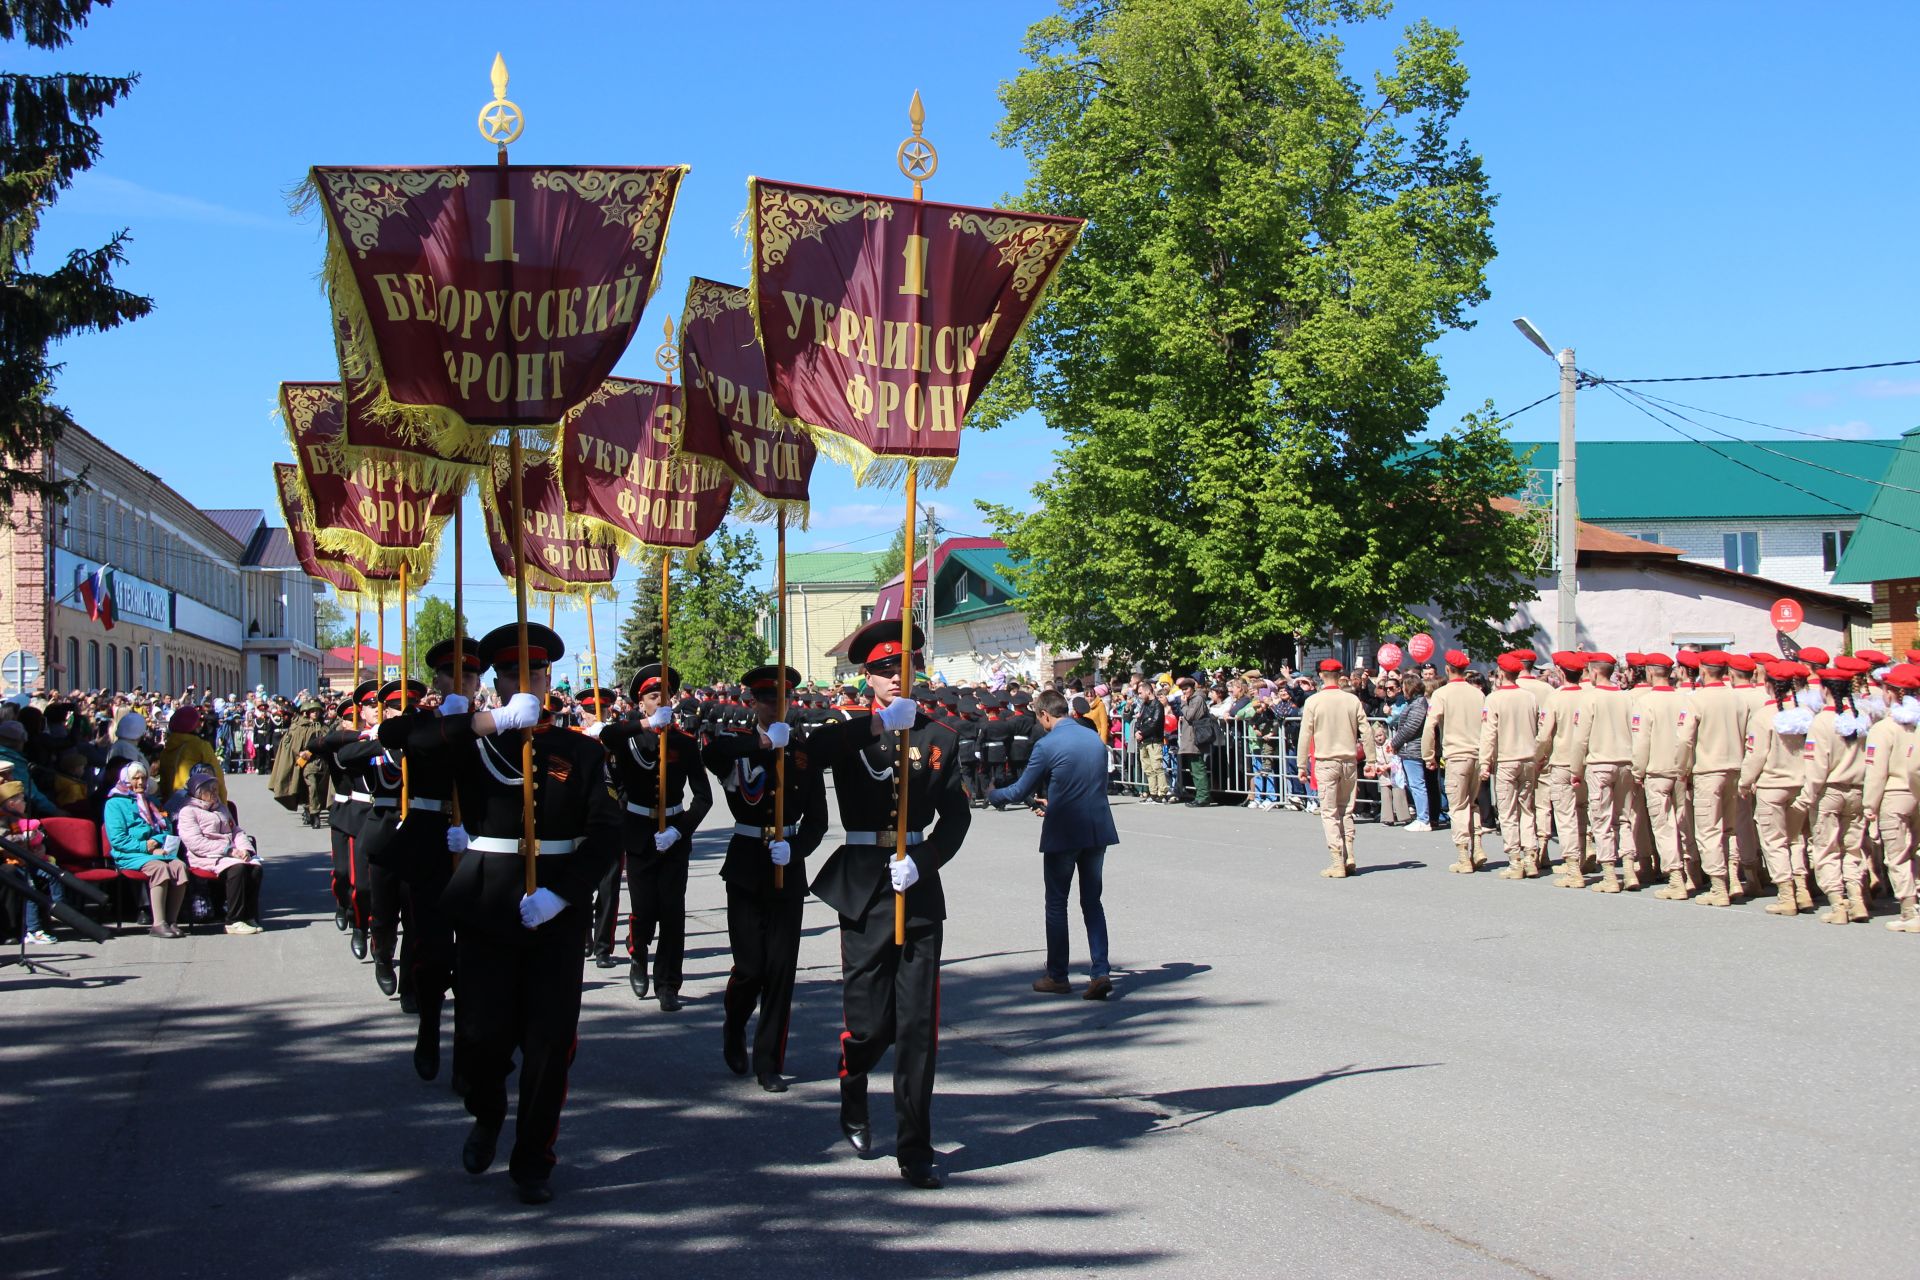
(364, 797)
(743, 829)
(426, 805)
(378, 802)
(507, 844)
(880, 837)
(1021, 737)
(645, 812)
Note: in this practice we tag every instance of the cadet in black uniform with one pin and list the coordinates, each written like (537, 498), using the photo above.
(1023, 730)
(763, 922)
(996, 737)
(595, 717)
(891, 993)
(519, 955)
(387, 902)
(657, 858)
(344, 814)
(350, 754)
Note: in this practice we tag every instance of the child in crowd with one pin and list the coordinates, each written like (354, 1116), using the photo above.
(1385, 768)
(24, 830)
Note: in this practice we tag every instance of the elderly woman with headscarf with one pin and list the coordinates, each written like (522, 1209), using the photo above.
(138, 834)
(214, 842)
(185, 751)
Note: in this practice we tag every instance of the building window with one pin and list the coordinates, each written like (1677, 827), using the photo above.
(866, 614)
(113, 666)
(1741, 551)
(960, 590)
(93, 664)
(72, 673)
(126, 665)
(1833, 545)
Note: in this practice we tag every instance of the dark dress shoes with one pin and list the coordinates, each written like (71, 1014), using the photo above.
(477, 1155)
(772, 1082)
(669, 999)
(733, 1048)
(409, 1003)
(925, 1176)
(853, 1115)
(357, 943)
(605, 961)
(540, 1192)
(1047, 986)
(637, 977)
(426, 1053)
(1099, 989)
(340, 921)
(383, 977)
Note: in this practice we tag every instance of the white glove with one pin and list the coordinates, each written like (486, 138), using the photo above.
(781, 852)
(594, 730)
(778, 734)
(664, 840)
(661, 718)
(540, 906)
(521, 712)
(456, 839)
(368, 735)
(454, 705)
(905, 874)
(898, 714)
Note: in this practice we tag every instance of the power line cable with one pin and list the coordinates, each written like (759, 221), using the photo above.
(1774, 373)
(1892, 445)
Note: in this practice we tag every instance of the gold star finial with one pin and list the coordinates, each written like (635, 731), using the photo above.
(501, 121)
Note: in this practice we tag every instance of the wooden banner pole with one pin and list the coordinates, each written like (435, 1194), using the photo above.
(405, 668)
(780, 760)
(593, 658)
(666, 700)
(905, 691)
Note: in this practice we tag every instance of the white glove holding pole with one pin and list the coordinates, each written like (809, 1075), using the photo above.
(594, 730)
(540, 906)
(521, 712)
(905, 874)
(454, 705)
(898, 714)
(456, 839)
(778, 734)
(781, 852)
(661, 718)
(664, 840)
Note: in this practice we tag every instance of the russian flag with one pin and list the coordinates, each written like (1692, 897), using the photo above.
(97, 594)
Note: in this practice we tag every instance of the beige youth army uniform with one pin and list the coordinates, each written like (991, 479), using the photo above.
(1509, 727)
(1746, 835)
(1452, 736)
(1718, 730)
(1540, 691)
(1557, 749)
(1774, 775)
(1661, 744)
(1604, 750)
(1836, 768)
(1887, 799)
(1332, 725)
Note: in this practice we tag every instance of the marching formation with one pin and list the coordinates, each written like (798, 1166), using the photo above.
(1714, 776)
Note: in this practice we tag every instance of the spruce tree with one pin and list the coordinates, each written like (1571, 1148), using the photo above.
(46, 137)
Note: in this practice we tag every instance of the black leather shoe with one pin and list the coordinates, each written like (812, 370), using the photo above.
(772, 1082)
(605, 962)
(426, 1053)
(357, 943)
(637, 977)
(340, 921)
(533, 1192)
(477, 1155)
(924, 1176)
(853, 1115)
(384, 978)
(669, 999)
(458, 1084)
(733, 1048)
(409, 1003)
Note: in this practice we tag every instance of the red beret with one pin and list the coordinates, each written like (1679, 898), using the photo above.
(1635, 659)
(1688, 658)
(1568, 660)
(1813, 657)
(1330, 664)
(1654, 660)
(1759, 656)
(1742, 663)
(1913, 655)
(1598, 655)
(1852, 665)
(1511, 663)
(1904, 675)
(1714, 658)
(1831, 673)
(1457, 658)
(1526, 655)
(1873, 657)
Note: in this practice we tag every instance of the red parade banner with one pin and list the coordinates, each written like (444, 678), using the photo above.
(883, 320)
(380, 508)
(471, 299)
(565, 557)
(619, 474)
(730, 417)
(348, 576)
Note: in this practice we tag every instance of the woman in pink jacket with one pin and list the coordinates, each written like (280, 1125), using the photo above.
(213, 841)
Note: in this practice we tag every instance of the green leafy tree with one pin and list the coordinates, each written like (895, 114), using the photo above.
(46, 137)
(715, 613)
(1238, 351)
(892, 561)
(330, 627)
(432, 624)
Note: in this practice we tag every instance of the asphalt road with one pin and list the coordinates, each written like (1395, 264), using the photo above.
(1408, 1073)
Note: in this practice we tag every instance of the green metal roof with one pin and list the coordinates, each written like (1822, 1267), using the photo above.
(1625, 480)
(988, 564)
(1887, 543)
(817, 568)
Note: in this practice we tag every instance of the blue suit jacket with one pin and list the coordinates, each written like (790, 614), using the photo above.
(1072, 761)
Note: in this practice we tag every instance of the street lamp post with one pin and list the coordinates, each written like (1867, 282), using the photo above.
(1567, 501)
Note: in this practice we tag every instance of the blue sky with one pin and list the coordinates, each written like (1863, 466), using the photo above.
(1684, 189)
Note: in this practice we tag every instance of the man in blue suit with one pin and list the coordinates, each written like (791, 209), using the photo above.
(1076, 828)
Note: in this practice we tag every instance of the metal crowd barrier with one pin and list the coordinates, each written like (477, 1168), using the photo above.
(1240, 771)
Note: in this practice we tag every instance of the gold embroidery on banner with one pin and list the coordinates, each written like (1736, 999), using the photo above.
(304, 402)
(786, 216)
(638, 201)
(364, 198)
(606, 391)
(1028, 247)
(707, 300)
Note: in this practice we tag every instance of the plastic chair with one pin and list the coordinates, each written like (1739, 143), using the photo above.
(75, 844)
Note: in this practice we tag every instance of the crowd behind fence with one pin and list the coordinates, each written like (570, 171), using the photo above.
(1246, 764)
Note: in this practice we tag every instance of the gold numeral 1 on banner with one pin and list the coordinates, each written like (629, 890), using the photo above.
(916, 255)
(500, 220)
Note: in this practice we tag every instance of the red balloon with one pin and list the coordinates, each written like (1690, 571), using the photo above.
(1420, 645)
(1389, 657)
